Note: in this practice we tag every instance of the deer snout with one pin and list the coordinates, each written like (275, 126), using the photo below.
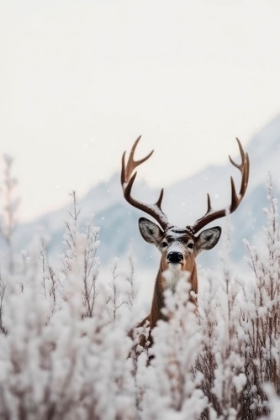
(175, 257)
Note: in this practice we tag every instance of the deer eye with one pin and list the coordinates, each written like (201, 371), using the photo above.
(190, 245)
(164, 244)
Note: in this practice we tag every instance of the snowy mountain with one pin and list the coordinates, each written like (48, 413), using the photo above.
(184, 202)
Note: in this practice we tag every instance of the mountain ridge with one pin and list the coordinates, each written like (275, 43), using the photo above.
(184, 202)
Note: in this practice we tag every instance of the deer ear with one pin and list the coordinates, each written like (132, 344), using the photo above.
(208, 238)
(151, 232)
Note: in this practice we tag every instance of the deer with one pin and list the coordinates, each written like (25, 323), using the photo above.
(178, 246)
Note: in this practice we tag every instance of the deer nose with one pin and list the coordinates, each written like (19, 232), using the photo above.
(174, 257)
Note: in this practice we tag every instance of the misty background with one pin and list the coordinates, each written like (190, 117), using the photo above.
(80, 80)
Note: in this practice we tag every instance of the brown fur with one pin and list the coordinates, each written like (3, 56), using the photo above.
(182, 237)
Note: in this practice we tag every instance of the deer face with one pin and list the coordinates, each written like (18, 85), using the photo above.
(179, 247)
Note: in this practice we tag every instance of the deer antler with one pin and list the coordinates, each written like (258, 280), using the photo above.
(236, 199)
(127, 180)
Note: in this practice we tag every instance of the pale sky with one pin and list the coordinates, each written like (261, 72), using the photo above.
(80, 80)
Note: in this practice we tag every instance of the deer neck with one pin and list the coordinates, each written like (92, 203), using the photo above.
(160, 287)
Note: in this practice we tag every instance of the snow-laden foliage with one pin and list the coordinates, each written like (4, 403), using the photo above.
(172, 385)
(67, 337)
(8, 220)
(63, 355)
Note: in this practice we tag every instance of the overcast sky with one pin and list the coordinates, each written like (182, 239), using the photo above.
(80, 80)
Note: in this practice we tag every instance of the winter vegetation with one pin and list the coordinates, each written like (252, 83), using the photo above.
(65, 332)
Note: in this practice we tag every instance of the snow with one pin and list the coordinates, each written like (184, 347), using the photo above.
(65, 341)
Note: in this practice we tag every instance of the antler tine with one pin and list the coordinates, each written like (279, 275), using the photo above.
(158, 203)
(243, 167)
(209, 207)
(211, 215)
(128, 169)
(242, 153)
(127, 180)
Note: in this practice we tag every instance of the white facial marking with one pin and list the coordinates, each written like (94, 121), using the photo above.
(171, 278)
(175, 266)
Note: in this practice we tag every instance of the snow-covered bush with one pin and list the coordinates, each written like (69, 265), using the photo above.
(65, 341)
(172, 388)
(241, 332)
(63, 355)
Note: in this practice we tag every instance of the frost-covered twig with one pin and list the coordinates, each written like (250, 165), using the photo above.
(8, 219)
